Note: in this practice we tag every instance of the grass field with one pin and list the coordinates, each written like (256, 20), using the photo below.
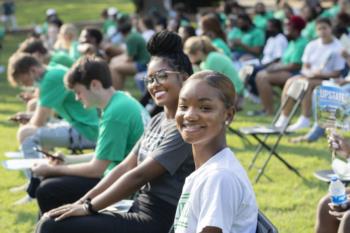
(287, 200)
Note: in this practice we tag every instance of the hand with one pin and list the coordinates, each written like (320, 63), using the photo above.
(339, 144)
(26, 96)
(57, 159)
(66, 211)
(338, 211)
(345, 54)
(42, 169)
(21, 117)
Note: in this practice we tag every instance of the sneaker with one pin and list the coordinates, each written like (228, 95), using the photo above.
(24, 200)
(254, 98)
(301, 123)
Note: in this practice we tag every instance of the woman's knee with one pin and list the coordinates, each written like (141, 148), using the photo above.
(46, 225)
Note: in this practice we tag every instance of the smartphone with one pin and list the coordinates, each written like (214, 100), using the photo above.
(49, 155)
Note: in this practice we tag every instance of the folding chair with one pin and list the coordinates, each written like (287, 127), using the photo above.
(265, 225)
(296, 93)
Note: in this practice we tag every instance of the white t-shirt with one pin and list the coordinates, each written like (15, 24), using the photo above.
(218, 194)
(274, 48)
(148, 34)
(323, 57)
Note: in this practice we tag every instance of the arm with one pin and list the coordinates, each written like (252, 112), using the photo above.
(94, 169)
(276, 67)
(254, 50)
(211, 230)
(321, 75)
(41, 116)
(129, 183)
(126, 165)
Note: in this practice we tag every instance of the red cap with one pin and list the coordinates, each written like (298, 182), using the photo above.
(297, 22)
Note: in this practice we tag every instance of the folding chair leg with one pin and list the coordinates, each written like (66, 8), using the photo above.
(262, 169)
(240, 135)
(258, 149)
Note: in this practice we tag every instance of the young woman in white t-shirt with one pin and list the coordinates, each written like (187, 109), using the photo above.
(322, 60)
(217, 197)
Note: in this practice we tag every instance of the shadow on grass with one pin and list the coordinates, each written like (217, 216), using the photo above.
(25, 217)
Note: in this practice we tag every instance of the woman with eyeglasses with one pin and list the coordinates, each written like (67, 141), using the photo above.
(156, 168)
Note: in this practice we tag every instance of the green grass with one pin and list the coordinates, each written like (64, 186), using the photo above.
(288, 201)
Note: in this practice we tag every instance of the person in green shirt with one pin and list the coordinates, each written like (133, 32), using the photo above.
(278, 73)
(309, 14)
(246, 40)
(79, 128)
(121, 125)
(201, 51)
(67, 42)
(134, 60)
(261, 16)
(211, 28)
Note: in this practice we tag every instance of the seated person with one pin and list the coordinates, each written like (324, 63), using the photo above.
(246, 40)
(210, 27)
(274, 49)
(309, 14)
(156, 167)
(201, 52)
(261, 16)
(79, 128)
(67, 41)
(90, 42)
(322, 60)
(278, 73)
(121, 125)
(186, 32)
(217, 196)
(331, 218)
(136, 58)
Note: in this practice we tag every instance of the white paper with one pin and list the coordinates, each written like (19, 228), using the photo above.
(345, 42)
(20, 164)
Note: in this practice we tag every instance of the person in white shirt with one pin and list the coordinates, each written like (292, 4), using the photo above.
(217, 197)
(322, 60)
(274, 49)
(146, 27)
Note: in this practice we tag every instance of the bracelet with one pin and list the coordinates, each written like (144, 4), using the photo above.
(88, 207)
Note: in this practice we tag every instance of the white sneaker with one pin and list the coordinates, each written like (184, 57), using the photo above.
(301, 123)
(24, 200)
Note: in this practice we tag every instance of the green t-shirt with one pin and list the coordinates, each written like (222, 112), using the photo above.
(121, 125)
(136, 47)
(107, 25)
(222, 46)
(55, 96)
(294, 51)
(62, 57)
(73, 50)
(309, 32)
(221, 63)
(260, 21)
(331, 12)
(254, 37)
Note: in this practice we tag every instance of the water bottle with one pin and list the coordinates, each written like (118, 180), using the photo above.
(337, 191)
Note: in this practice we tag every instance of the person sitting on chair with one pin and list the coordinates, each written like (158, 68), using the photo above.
(217, 197)
(121, 125)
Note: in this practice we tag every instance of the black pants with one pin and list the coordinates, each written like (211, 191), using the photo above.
(147, 215)
(56, 191)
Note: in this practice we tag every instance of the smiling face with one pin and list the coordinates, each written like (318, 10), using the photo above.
(165, 92)
(201, 114)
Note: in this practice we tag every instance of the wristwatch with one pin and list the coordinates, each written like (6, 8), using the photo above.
(88, 207)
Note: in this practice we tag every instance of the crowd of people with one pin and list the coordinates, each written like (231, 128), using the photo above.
(167, 151)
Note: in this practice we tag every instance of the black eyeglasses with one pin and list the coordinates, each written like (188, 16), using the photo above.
(159, 77)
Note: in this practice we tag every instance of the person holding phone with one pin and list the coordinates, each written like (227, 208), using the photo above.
(121, 125)
(217, 197)
(156, 168)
